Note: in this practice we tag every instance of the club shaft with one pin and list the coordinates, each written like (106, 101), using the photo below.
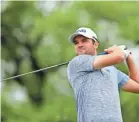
(46, 68)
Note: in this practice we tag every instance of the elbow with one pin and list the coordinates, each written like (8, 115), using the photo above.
(135, 78)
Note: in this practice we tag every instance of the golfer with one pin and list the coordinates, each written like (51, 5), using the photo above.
(96, 81)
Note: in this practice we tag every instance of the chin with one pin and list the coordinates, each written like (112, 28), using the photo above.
(82, 53)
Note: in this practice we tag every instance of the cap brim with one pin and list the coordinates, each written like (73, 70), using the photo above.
(71, 38)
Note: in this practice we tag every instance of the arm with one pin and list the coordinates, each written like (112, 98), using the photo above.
(132, 85)
(115, 56)
(133, 70)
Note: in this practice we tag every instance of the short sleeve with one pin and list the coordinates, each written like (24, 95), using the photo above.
(122, 78)
(83, 63)
(79, 65)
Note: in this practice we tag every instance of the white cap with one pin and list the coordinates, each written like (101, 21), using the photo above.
(86, 32)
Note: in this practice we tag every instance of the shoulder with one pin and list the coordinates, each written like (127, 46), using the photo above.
(80, 59)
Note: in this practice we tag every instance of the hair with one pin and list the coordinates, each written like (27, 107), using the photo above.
(95, 41)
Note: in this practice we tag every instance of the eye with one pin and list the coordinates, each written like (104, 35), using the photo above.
(75, 42)
(84, 40)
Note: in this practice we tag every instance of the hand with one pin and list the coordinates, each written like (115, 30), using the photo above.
(115, 48)
(122, 48)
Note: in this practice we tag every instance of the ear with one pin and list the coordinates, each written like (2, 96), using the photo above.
(96, 44)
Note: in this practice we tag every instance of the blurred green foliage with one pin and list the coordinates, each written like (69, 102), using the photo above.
(35, 35)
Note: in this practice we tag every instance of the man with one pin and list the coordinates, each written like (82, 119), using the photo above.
(95, 80)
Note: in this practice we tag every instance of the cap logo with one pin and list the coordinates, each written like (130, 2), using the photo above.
(82, 30)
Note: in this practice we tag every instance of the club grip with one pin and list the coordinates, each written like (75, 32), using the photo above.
(103, 53)
(122, 47)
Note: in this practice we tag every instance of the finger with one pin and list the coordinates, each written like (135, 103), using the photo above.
(108, 50)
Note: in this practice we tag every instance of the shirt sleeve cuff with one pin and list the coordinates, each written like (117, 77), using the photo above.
(125, 79)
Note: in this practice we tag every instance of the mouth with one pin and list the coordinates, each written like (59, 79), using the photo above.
(81, 49)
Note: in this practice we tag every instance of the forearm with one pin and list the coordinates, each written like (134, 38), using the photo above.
(133, 70)
(113, 58)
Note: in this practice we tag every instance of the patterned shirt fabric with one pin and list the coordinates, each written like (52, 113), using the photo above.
(96, 91)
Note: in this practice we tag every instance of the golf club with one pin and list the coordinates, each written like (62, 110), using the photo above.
(123, 47)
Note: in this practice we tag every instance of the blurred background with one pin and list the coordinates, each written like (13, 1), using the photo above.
(35, 35)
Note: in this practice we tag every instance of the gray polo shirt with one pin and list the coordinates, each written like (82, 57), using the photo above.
(96, 91)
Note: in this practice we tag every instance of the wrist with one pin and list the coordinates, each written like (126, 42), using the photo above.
(127, 53)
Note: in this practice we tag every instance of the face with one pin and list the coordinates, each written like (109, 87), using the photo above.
(85, 45)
